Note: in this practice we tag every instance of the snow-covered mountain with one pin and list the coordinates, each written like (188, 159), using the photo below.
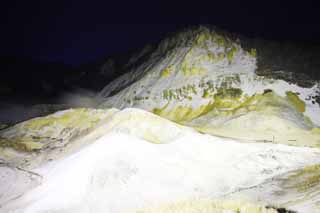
(206, 79)
(203, 122)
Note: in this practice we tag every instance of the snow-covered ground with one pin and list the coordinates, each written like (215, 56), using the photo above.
(123, 172)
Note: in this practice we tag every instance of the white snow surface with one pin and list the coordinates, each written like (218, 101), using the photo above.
(121, 172)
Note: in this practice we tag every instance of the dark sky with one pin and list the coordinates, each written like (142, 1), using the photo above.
(77, 31)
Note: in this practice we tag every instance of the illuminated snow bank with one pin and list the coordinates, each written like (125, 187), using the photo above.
(123, 172)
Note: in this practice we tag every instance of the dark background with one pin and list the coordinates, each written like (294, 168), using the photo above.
(51, 51)
(75, 31)
(49, 47)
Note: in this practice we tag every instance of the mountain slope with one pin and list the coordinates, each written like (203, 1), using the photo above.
(204, 78)
(133, 159)
(30, 143)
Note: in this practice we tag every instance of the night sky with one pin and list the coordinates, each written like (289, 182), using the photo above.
(75, 32)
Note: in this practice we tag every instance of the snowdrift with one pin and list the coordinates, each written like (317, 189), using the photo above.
(135, 161)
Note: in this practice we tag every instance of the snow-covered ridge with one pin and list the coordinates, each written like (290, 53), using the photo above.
(30, 143)
(204, 78)
(121, 169)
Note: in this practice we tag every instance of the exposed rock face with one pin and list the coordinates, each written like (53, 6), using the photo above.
(204, 78)
(294, 59)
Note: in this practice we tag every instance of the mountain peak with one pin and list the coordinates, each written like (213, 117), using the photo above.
(204, 78)
(198, 36)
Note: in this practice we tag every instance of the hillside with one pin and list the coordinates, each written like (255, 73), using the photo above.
(205, 121)
(89, 160)
(211, 80)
